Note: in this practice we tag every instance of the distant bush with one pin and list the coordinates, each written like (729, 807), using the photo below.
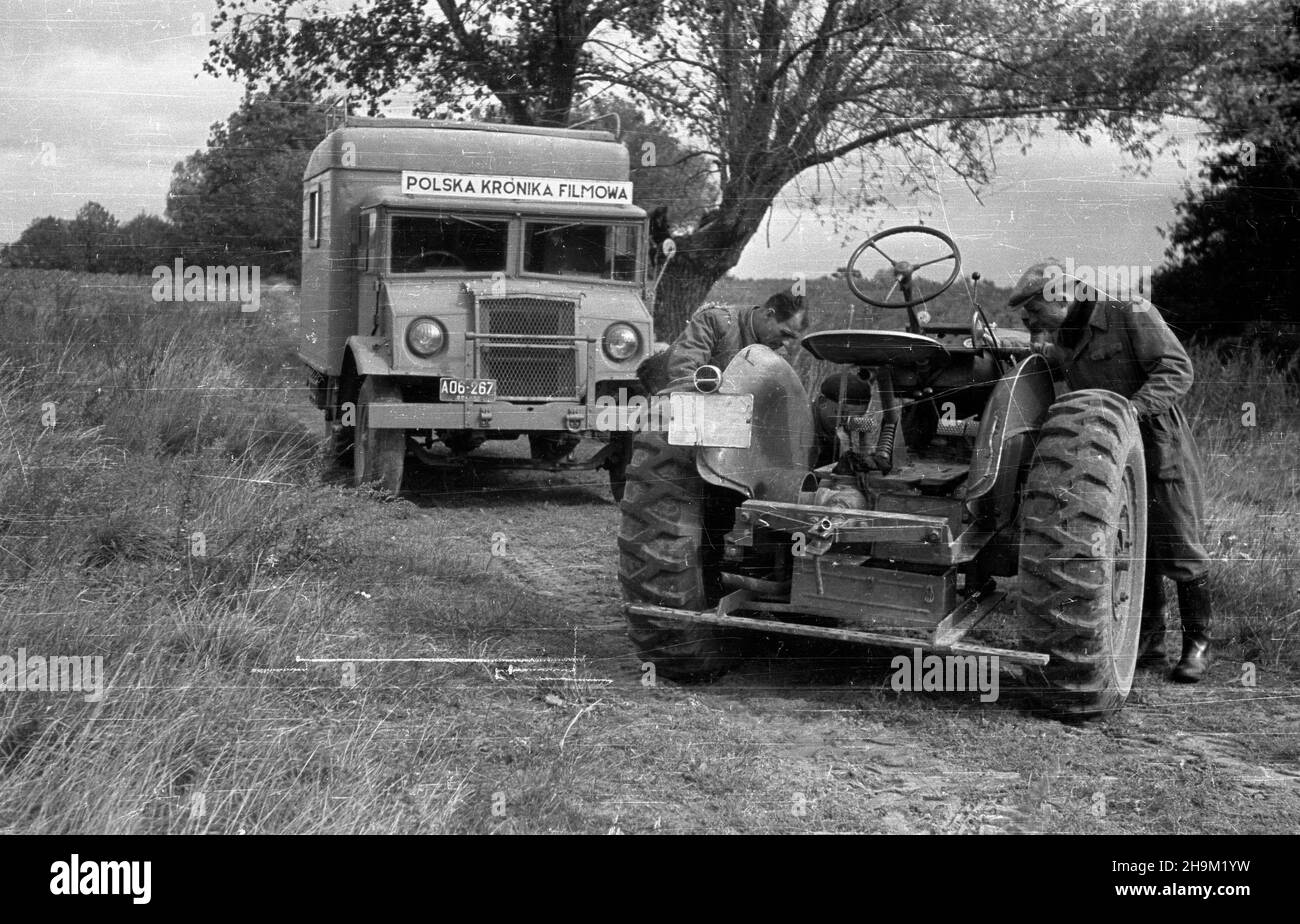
(94, 242)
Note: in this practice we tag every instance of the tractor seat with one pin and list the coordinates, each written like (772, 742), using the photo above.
(872, 348)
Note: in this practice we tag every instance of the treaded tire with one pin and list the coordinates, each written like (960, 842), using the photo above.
(663, 555)
(379, 456)
(1082, 554)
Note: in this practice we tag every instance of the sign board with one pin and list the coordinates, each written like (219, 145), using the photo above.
(714, 421)
(532, 188)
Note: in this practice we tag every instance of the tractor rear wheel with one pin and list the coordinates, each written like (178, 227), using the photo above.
(1082, 555)
(669, 555)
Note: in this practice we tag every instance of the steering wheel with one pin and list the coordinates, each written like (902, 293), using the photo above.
(415, 263)
(903, 270)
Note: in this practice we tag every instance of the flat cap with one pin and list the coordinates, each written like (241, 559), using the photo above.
(1034, 281)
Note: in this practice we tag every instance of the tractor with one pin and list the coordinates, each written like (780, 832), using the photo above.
(757, 508)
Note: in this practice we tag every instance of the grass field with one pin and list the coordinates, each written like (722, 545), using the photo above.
(161, 505)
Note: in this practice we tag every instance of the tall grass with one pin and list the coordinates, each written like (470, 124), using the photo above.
(1246, 418)
(161, 509)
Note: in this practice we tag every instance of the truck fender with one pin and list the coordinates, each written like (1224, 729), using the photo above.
(1008, 433)
(370, 355)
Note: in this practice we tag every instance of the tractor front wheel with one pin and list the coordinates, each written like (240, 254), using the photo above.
(1082, 555)
(669, 555)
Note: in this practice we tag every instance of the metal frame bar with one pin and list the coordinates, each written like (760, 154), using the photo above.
(947, 641)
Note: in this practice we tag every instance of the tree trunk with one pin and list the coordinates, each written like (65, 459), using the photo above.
(704, 256)
(685, 284)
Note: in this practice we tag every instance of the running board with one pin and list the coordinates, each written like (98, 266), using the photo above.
(942, 641)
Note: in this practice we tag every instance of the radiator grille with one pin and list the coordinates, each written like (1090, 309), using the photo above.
(527, 317)
(527, 372)
(524, 367)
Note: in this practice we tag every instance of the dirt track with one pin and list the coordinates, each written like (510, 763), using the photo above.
(1217, 757)
(824, 730)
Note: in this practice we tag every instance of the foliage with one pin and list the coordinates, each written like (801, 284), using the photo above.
(522, 61)
(92, 242)
(1231, 260)
(666, 173)
(771, 88)
(240, 200)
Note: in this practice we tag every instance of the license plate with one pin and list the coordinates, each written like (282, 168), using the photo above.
(467, 389)
(717, 421)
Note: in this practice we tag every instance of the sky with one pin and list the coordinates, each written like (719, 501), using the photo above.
(102, 97)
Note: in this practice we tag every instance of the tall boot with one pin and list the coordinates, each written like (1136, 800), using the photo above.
(1151, 641)
(1194, 606)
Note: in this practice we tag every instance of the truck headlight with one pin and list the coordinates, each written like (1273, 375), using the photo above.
(621, 342)
(425, 336)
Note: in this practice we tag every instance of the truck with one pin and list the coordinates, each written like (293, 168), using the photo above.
(469, 282)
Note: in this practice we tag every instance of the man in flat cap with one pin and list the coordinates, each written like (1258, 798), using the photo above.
(1125, 346)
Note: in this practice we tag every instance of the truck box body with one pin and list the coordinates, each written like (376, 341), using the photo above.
(521, 243)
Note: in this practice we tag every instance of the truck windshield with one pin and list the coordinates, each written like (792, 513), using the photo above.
(428, 244)
(582, 249)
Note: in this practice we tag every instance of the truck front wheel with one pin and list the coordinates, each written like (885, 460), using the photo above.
(619, 456)
(379, 454)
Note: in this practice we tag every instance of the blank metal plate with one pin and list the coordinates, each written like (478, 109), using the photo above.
(718, 421)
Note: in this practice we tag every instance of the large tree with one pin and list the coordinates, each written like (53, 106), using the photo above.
(531, 58)
(1233, 250)
(770, 89)
(240, 200)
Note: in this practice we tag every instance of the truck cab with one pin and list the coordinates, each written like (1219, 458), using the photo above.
(468, 282)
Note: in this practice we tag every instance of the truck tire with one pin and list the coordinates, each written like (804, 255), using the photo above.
(379, 455)
(619, 456)
(338, 443)
(1083, 519)
(666, 558)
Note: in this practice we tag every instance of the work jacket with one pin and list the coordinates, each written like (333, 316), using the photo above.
(1126, 347)
(713, 337)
